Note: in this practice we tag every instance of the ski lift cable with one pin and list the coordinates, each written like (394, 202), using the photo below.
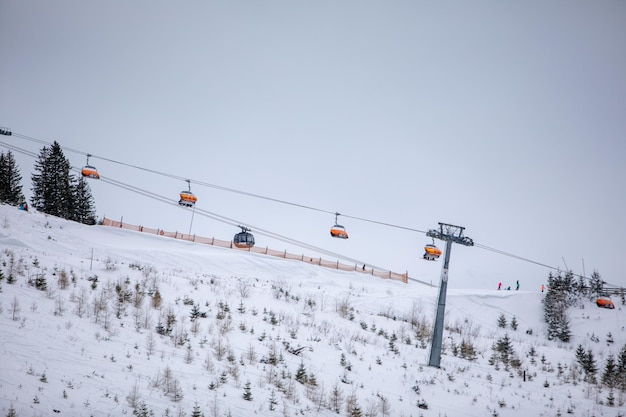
(18, 149)
(219, 187)
(262, 232)
(100, 157)
(384, 223)
(521, 258)
(206, 184)
(204, 213)
(501, 252)
(228, 189)
(305, 245)
(232, 222)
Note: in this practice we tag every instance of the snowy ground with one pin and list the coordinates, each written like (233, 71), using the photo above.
(79, 351)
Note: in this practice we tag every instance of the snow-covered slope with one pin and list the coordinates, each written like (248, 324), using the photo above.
(278, 337)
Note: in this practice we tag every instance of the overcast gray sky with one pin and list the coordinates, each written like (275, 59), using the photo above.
(507, 118)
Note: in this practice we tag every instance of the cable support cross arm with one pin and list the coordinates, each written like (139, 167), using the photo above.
(450, 232)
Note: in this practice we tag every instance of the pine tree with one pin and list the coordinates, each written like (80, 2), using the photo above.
(558, 298)
(273, 401)
(59, 193)
(589, 366)
(311, 380)
(353, 409)
(564, 334)
(195, 312)
(83, 208)
(40, 282)
(52, 183)
(580, 355)
(247, 392)
(468, 351)
(501, 321)
(503, 350)
(143, 411)
(582, 287)
(356, 411)
(596, 284)
(160, 329)
(197, 412)
(10, 180)
(610, 375)
(301, 375)
(621, 368)
(12, 412)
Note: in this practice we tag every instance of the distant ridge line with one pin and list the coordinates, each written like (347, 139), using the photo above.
(264, 251)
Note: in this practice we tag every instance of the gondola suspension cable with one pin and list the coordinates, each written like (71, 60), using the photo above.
(262, 232)
(205, 184)
(501, 252)
(101, 157)
(233, 222)
(18, 150)
(219, 187)
(285, 239)
(201, 212)
(228, 189)
(384, 224)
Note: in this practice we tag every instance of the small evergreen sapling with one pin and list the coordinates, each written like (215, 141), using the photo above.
(247, 392)
(501, 321)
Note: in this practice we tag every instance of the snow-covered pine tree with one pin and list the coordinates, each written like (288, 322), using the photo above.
(621, 369)
(196, 411)
(273, 401)
(301, 374)
(52, 183)
(555, 303)
(142, 410)
(12, 412)
(590, 367)
(503, 349)
(59, 193)
(353, 409)
(10, 180)
(582, 287)
(596, 284)
(247, 391)
(580, 355)
(610, 376)
(84, 207)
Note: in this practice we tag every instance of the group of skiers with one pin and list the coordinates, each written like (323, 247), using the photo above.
(509, 287)
(543, 287)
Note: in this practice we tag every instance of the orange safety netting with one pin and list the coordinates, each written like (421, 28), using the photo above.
(265, 251)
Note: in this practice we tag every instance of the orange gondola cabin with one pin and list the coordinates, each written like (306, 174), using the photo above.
(90, 171)
(605, 302)
(431, 252)
(338, 230)
(187, 198)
